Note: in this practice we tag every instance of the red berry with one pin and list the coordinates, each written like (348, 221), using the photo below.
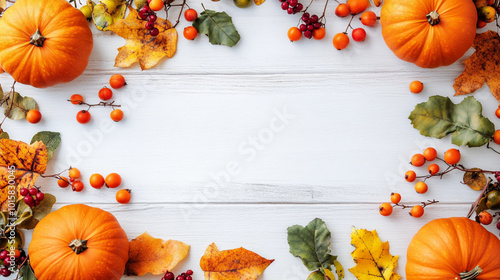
(4, 254)
(149, 25)
(33, 191)
(23, 191)
(180, 277)
(153, 18)
(5, 272)
(188, 278)
(358, 34)
(106, 93)
(190, 14)
(189, 272)
(143, 15)
(28, 199)
(169, 276)
(154, 32)
(40, 196)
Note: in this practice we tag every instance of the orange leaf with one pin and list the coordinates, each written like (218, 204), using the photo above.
(154, 255)
(482, 66)
(237, 264)
(140, 46)
(20, 165)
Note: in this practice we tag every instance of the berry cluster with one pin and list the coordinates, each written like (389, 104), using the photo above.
(32, 196)
(486, 11)
(97, 181)
(83, 116)
(417, 211)
(190, 32)
(184, 276)
(488, 200)
(148, 14)
(291, 6)
(311, 27)
(10, 259)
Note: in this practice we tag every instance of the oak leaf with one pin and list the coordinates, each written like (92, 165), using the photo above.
(372, 257)
(482, 66)
(20, 165)
(140, 46)
(154, 255)
(240, 264)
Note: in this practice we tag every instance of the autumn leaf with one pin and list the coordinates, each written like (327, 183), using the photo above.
(482, 66)
(475, 179)
(3, 5)
(312, 245)
(236, 264)
(154, 255)
(20, 165)
(16, 106)
(218, 26)
(439, 117)
(50, 139)
(372, 257)
(140, 46)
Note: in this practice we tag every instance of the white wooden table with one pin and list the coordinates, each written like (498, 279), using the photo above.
(234, 145)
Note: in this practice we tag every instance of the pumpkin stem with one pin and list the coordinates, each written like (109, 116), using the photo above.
(471, 275)
(433, 18)
(78, 246)
(37, 39)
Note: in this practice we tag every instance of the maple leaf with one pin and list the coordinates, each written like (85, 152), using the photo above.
(154, 255)
(20, 165)
(240, 264)
(372, 257)
(140, 46)
(482, 66)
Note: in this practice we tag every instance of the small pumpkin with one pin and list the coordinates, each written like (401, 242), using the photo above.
(453, 248)
(429, 33)
(78, 242)
(44, 43)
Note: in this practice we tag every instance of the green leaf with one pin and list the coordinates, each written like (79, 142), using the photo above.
(311, 244)
(4, 135)
(15, 106)
(26, 272)
(52, 140)
(39, 212)
(218, 26)
(439, 117)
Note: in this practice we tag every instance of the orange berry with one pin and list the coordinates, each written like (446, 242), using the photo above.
(430, 154)
(342, 10)
(294, 34)
(83, 116)
(76, 99)
(74, 173)
(319, 33)
(340, 41)
(410, 176)
(190, 33)
(105, 93)
(417, 211)
(395, 198)
(421, 187)
(116, 115)
(113, 180)
(416, 87)
(357, 6)
(433, 169)
(63, 182)
(33, 116)
(452, 156)
(156, 5)
(417, 160)
(96, 181)
(496, 137)
(485, 218)
(78, 186)
(481, 24)
(123, 196)
(368, 18)
(117, 81)
(385, 209)
(497, 112)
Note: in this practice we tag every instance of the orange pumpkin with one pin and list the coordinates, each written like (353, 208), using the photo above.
(453, 248)
(43, 43)
(429, 33)
(78, 242)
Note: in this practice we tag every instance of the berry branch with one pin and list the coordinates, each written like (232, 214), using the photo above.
(102, 104)
(424, 204)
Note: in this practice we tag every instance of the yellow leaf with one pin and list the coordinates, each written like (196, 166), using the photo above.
(372, 257)
(236, 264)
(140, 46)
(154, 255)
(20, 165)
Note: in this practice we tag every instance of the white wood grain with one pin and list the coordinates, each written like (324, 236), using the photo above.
(187, 144)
